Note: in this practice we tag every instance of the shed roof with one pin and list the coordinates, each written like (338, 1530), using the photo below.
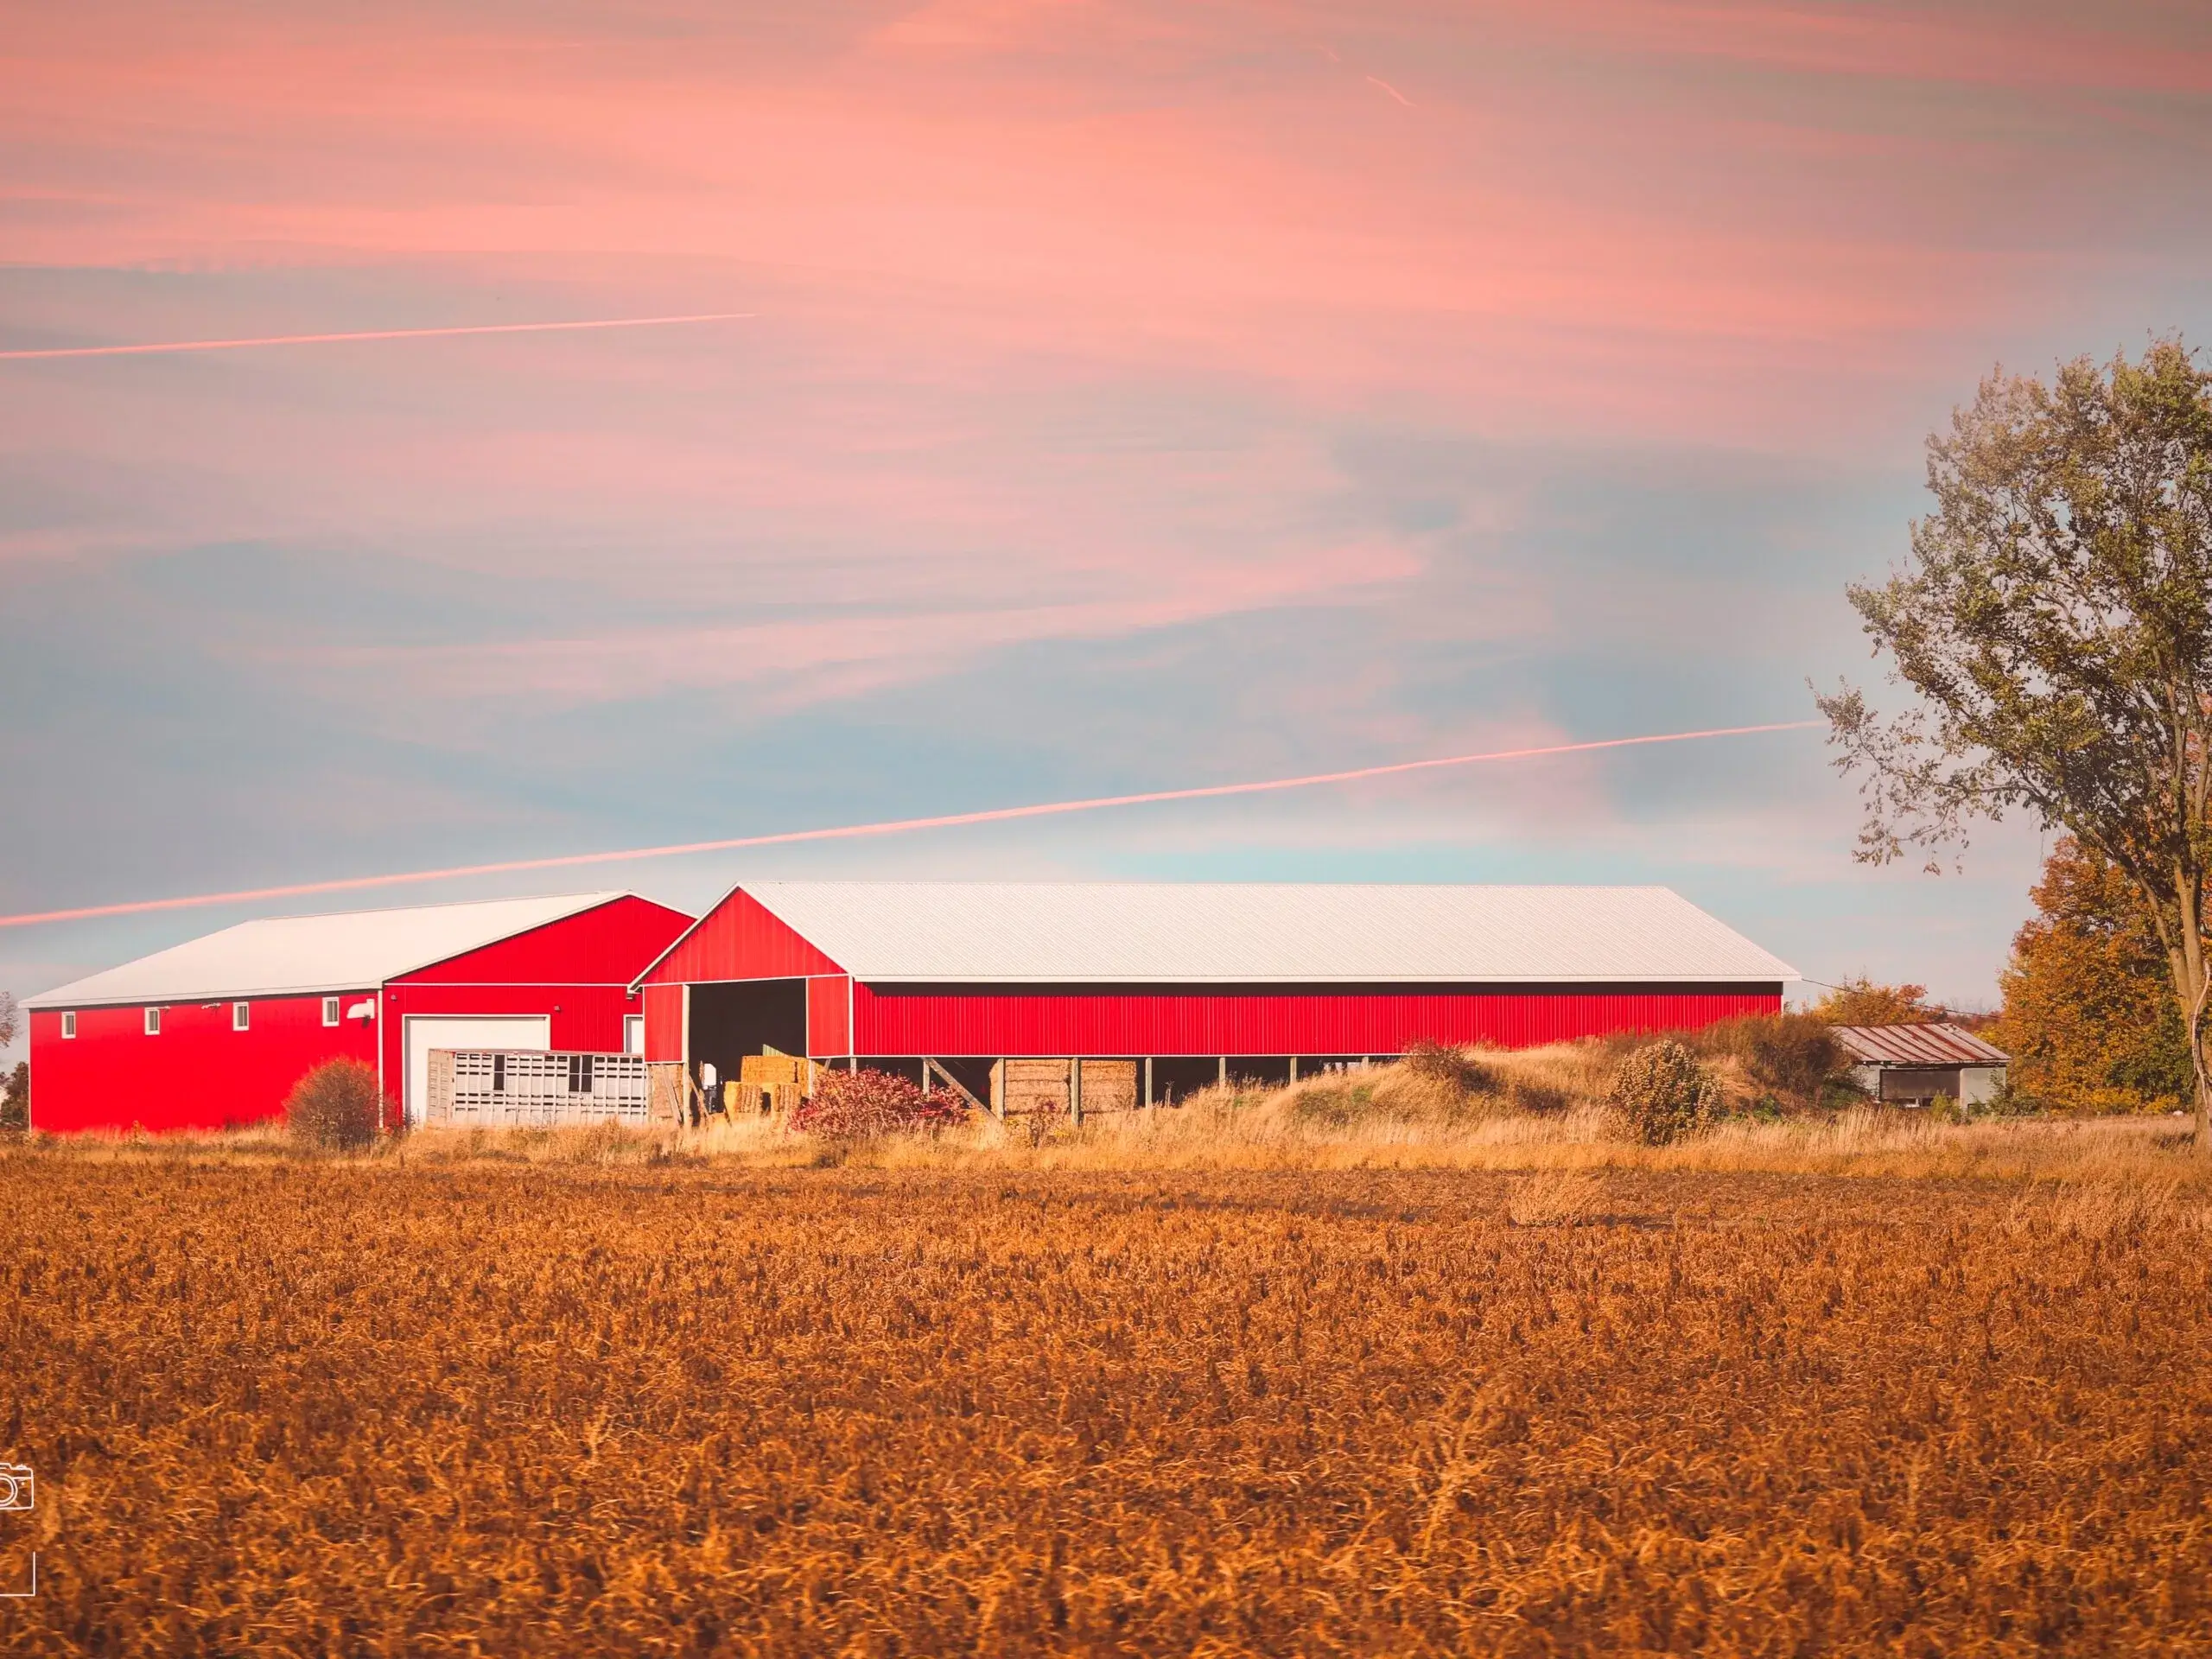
(290, 956)
(1925, 1044)
(1242, 933)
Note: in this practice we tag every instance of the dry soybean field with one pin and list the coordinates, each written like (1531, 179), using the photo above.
(294, 1407)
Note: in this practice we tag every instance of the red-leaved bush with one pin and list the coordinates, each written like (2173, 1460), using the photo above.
(860, 1105)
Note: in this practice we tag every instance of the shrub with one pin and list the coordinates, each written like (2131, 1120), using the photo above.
(1043, 1120)
(1662, 1092)
(15, 1099)
(1796, 1055)
(335, 1107)
(861, 1105)
(1453, 1067)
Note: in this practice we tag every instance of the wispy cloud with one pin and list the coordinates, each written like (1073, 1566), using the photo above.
(1139, 389)
(169, 347)
(2118, 48)
(796, 661)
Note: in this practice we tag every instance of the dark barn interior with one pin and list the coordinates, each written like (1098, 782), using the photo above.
(731, 1019)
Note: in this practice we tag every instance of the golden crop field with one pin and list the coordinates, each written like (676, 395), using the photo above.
(485, 1406)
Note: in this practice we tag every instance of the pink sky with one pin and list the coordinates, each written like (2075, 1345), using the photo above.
(1279, 386)
(1568, 191)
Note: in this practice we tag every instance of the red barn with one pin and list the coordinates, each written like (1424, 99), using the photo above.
(1201, 980)
(215, 1032)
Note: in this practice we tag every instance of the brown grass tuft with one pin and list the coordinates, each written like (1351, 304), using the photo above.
(1555, 1197)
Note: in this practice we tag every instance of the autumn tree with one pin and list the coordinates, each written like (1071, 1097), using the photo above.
(2089, 1019)
(1860, 1001)
(2053, 624)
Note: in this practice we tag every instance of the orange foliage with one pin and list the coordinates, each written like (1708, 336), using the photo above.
(1860, 1001)
(2089, 1016)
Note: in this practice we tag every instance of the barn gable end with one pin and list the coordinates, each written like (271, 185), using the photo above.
(601, 945)
(738, 938)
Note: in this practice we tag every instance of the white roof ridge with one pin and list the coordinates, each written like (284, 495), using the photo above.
(319, 951)
(601, 894)
(1181, 886)
(1256, 932)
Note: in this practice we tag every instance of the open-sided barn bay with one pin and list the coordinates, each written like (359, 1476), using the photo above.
(364, 1408)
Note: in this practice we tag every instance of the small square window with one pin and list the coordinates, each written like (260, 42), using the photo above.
(330, 1010)
(241, 1015)
(153, 1022)
(69, 1024)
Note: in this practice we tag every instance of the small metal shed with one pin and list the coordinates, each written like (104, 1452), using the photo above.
(1913, 1064)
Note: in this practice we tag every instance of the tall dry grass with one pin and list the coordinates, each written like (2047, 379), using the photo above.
(1520, 1110)
(528, 1398)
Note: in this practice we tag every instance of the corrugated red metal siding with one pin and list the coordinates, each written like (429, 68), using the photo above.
(606, 945)
(1251, 1019)
(829, 1007)
(664, 1022)
(197, 1074)
(200, 1074)
(740, 939)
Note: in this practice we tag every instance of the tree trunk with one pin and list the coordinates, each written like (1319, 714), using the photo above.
(2190, 989)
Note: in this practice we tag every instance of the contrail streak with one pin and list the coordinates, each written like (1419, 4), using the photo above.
(894, 827)
(370, 334)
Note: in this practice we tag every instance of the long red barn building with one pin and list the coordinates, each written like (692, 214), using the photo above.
(215, 1032)
(1239, 978)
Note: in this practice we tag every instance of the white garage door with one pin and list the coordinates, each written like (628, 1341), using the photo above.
(427, 1031)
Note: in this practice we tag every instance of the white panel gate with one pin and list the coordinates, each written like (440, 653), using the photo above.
(489, 1089)
(427, 1031)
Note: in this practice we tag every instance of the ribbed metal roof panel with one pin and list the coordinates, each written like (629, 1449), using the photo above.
(1258, 933)
(295, 955)
(1929, 1044)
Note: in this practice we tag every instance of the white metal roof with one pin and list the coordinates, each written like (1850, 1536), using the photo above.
(1919, 1044)
(292, 955)
(1104, 932)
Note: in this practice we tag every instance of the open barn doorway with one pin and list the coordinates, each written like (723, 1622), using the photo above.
(731, 1019)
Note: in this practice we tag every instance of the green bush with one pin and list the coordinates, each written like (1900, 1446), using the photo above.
(335, 1107)
(15, 1099)
(2009, 1103)
(1662, 1092)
